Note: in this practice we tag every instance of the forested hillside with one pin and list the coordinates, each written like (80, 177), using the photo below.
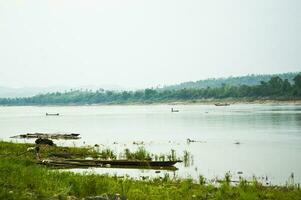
(231, 81)
(275, 88)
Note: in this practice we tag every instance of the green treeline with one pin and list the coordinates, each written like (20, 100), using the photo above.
(233, 81)
(275, 88)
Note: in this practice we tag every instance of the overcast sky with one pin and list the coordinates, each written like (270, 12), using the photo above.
(142, 43)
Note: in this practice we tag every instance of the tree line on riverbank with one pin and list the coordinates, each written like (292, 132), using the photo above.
(274, 89)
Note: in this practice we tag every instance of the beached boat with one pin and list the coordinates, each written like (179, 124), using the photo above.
(73, 163)
(222, 104)
(127, 162)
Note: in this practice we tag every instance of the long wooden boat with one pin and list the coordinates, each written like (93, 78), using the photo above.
(52, 114)
(78, 163)
(127, 162)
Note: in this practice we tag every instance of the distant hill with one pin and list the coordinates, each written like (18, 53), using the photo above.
(249, 80)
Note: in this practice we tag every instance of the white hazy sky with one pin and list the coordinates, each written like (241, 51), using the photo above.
(142, 43)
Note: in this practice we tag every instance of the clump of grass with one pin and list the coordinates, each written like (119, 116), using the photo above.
(227, 178)
(107, 154)
(202, 180)
(162, 157)
(140, 154)
(172, 156)
(187, 159)
(73, 151)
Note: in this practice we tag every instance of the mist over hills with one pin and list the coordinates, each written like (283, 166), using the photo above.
(8, 92)
(249, 80)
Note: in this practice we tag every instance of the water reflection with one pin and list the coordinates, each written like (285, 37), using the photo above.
(187, 159)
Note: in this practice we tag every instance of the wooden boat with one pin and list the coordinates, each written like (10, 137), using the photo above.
(222, 104)
(66, 136)
(75, 163)
(52, 114)
(127, 162)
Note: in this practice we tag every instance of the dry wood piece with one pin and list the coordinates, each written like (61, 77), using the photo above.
(64, 136)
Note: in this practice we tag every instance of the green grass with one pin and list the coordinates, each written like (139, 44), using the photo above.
(140, 154)
(21, 178)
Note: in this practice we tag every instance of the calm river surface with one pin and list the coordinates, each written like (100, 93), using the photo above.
(269, 135)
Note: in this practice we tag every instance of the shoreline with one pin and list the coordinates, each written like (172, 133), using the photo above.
(188, 102)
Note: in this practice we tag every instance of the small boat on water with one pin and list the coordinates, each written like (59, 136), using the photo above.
(222, 104)
(174, 110)
(52, 114)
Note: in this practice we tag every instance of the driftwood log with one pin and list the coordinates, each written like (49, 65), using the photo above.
(65, 136)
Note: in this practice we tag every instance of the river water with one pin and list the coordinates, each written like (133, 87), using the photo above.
(269, 136)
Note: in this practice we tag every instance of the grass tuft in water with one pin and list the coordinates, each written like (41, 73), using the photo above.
(140, 154)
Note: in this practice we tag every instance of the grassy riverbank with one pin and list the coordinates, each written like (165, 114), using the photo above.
(22, 178)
